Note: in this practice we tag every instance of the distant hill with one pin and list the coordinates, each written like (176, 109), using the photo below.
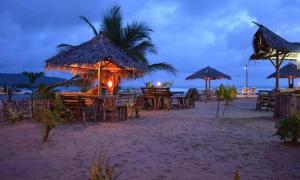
(12, 79)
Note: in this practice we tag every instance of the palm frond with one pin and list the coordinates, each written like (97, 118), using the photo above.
(64, 47)
(90, 24)
(112, 24)
(136, 32)
(162, 67)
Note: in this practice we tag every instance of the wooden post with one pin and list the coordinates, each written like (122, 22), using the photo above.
(99, 78)
(206, 90)
(277, 66)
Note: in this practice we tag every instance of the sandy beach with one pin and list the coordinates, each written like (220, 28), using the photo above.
(175, 144)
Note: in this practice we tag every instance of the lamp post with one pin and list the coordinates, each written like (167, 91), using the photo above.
(246, 71)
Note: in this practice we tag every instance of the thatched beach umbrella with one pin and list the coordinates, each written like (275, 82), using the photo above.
(288, 71)
(98, 54)
(208, 74)
(269, 46)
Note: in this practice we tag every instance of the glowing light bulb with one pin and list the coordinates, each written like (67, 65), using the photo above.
(158, 84)
(110, 84)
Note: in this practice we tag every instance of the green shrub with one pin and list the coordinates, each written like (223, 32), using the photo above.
(227, 95)
(288, 129)
(51, 118)
(14, 115)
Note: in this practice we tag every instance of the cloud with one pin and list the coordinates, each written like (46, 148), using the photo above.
(189, 34)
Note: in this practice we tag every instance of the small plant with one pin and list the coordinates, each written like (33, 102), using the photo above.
(14, 115)
(288, 129)
(51, 118)
(227, 95)
(236, 175)
(102, 170)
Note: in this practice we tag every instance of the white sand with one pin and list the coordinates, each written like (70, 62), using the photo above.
(176, 144)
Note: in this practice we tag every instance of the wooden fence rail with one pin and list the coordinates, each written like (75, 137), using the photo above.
(22, 105)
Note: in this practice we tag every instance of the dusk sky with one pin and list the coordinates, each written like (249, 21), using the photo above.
(188, 34)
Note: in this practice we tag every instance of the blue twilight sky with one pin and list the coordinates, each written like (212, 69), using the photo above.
(190, 34)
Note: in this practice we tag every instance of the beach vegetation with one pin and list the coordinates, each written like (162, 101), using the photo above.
(102, 170)
(14, 115)
(288, 129)
(52, 117)
(225, 94)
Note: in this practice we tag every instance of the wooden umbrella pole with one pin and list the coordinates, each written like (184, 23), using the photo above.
(289, 82)
(209, 87)
(277, 72)
(205, 90)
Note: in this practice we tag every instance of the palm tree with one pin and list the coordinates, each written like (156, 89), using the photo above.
(134, 38)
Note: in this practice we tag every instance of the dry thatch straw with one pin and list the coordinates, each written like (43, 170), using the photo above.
(89, 55)
(288, 71)
(208, 73)
(267, 43)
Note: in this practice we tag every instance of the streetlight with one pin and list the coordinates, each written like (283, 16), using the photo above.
(246, 71)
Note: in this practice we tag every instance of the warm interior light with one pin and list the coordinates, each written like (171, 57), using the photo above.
(110, 84)
(158, 84)
(298, 60)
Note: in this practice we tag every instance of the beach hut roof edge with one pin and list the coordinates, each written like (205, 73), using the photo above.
(208, 72)
(266, 44)
(91, 52)
(287, 71)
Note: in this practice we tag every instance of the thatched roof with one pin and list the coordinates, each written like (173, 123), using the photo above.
(208, 73)
(266, 43)
(88, 54)
(288, 71)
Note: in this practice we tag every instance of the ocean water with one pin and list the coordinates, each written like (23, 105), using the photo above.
(173, 89)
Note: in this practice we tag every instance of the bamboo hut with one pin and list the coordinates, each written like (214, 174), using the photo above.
(269, 46)
(97, 55)
(208, 74)
(289, 72)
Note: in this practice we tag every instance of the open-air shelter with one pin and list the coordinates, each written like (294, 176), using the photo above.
(289, 72)
(208, 74)
(100, 55)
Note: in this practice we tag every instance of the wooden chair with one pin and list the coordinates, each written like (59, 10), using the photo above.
(266, 100)
(188, 100)
(149, 96)
(110, 108)
(77, 105)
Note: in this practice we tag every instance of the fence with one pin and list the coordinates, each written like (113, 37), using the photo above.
(286, 104)
(25, 106)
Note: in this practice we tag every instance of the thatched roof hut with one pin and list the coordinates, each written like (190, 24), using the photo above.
(208, 74)
(99, 54)
(289, 72)
(267, 45)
